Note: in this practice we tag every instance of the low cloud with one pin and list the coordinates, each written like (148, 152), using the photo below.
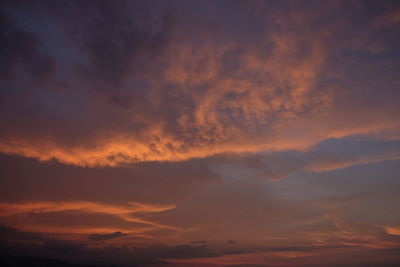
(103, 237)
(201, 242)
(130, 214)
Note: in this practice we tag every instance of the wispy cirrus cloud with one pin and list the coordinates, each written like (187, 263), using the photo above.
(128, 213)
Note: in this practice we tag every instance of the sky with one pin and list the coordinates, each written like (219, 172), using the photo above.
(200, 133)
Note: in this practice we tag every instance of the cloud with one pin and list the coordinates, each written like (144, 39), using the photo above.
(199, 242)
(174, 82)
(14, 235)
(200, 133)
(249, 209)
(63, 246)
(294, 219)
(129, 213)
(392, 230)
(78, 252)
(102, 237)
(22, 54)
(329, 155)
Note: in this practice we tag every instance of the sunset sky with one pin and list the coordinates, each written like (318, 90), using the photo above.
(200, 133)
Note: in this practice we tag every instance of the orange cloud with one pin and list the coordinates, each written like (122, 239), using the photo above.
(328, 164)
(225, 95)
(128, 213)
(392, 230)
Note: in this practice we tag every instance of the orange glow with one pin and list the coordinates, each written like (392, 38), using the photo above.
(200, 133)
(126, 213)
(392, 230)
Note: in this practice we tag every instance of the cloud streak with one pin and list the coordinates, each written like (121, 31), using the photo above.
(128, 213)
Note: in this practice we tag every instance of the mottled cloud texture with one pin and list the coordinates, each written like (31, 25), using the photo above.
(96, 84)
(200, 133)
